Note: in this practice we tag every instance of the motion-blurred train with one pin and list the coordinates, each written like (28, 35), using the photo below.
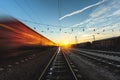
(16, 36)
(112, 44)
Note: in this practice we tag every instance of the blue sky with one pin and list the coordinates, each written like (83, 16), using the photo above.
(81, 16)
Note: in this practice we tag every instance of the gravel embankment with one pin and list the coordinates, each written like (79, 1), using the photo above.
(28, 68)
(92, 71)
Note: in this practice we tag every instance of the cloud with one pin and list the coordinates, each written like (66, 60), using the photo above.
(99, 12)
(81, 10)
(82, 23)
(102, 15)
(116, 12)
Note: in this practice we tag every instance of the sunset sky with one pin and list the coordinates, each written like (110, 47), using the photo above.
(67, 21)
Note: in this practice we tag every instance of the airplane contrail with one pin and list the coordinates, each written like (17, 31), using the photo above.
(81, 10)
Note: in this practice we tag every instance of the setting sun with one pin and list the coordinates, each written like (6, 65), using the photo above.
(65, 44)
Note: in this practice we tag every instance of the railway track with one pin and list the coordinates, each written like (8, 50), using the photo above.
(60, 68)
(111, 61)
(104, 52)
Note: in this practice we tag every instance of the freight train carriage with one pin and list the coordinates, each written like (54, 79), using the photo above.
(107, 44)
(112, 44)
(84, 45)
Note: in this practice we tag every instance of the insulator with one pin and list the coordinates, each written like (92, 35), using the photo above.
(60, 29)
(98, 33)
(112, 30)
(72, 30)
(103, 30)
(83, 30)
(75, 36)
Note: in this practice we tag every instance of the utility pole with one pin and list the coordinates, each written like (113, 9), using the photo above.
(76, 40)
(93, 37)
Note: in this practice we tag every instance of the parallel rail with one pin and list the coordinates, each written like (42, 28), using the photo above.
(112, 61)
(60, 68)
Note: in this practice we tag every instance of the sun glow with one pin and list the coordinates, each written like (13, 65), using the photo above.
(65, 44)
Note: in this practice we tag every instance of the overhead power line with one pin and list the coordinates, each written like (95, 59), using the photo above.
(23, 9)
